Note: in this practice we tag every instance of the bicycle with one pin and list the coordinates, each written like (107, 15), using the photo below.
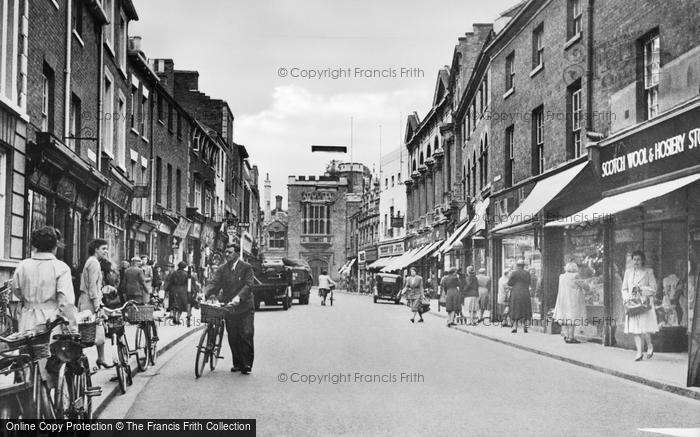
(74, 390)
(209, 346)
(8, 323)
(146, 337)
(115, 329)
(22, 358)
(330, 297)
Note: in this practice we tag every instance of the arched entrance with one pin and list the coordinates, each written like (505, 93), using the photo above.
(317, 266)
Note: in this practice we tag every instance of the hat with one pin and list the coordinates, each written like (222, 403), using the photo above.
(482, 270)
(136, 258)
(181, 265)
(520, 262)
(452, 270)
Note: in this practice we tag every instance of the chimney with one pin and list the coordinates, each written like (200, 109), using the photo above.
(278, 202)
(187, 80)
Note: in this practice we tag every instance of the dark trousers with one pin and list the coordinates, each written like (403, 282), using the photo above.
(240, 330)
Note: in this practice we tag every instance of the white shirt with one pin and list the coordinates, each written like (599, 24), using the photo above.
(325, 281)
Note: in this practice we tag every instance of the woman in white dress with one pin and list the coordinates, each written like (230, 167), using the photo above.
(639, 282)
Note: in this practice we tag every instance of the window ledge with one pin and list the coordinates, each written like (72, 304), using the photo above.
(536, 70)
(78, 37)
(573, 40)
(161, 122)
(508, 93)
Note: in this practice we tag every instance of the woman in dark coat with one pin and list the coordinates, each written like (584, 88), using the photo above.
(176, 287)
(520, 304)
(453, 301)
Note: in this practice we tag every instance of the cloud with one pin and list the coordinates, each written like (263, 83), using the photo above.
(279, 138)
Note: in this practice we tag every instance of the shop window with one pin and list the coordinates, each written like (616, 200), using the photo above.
(4, 207)
(523, 247)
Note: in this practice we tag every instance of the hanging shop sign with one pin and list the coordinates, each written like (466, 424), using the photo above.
(183, 227)
(195, 230)
(362, 258)
(664, 147)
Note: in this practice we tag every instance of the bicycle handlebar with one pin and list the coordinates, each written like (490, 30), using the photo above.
(110, 311)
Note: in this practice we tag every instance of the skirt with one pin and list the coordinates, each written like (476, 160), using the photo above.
(520, 305)
(471, 304)
(484, 303)
(453, 301)
(178, 299)
(645, 323)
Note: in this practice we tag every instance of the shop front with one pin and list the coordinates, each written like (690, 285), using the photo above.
(62, 191)
(114, 215)
(650, 180)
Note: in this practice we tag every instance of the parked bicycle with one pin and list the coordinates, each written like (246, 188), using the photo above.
(74, 389)
(146, 338)
(115, 324)
(8, 318)
(209, 346)
(29, 397)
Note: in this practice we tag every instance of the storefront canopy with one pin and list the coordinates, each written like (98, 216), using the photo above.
(543, 193)
(398, 261)
(347, 267)
(476, 224)
(621, 202)
(381, 263)
(412, 256)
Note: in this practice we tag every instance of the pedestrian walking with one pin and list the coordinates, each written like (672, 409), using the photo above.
(231, 283)
(639, 286)
(123, 266)
(570, 309)
(135, 282)
(503, 298)
(176, 287)
(91, 285)
(484, 283)
(470, 295)
(520, 303)
(453, 300)
(147, 273)
(324, 286)
(414, 294)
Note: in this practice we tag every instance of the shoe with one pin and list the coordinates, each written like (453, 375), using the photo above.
(188, 322)
(566, 340)
(413, 321)
(102, 365)
(420, 321)
(639, 358)
(525, 330)
(574, 341)
(514, 331)
(235, 369)
(246, 371)
(650, 354)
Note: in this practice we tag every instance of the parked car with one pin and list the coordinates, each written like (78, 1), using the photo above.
(388, 287)
(273, 285)
(301, 280)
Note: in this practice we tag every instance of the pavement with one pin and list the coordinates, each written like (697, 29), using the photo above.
(363, 369)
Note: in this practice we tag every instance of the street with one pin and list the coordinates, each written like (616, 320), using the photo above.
(453, 383)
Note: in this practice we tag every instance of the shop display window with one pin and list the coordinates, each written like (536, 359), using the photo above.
(523, 247)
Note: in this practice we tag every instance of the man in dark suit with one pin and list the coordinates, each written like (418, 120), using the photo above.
(135, 282)
(231, 284)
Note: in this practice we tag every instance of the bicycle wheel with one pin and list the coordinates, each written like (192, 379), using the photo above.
(331, 298)
(85, 385)
(124, 362)
(216, 347)
(64, 396)
(43, 404)
(153, 341)
(141, 346)
(203, 351)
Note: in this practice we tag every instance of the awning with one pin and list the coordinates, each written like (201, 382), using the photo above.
(381, 263)
(476, 224)
(543, 193)
(397, 262)
(347, 267)
(609, 206)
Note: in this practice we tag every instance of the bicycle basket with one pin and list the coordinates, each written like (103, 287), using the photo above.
(139, 313)
(212, 313)
(67, 351)
(87, 333)
(115, 325)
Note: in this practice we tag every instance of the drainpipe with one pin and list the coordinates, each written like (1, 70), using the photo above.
(98, 130)
(67, 71)
(589, 66)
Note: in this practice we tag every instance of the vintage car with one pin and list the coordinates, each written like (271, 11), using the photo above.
(272, 285)
(388, 287)
(301, 280)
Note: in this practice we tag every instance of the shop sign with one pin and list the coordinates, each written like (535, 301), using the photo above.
(667, 146)
(371, 255)
(163, 228)
(117, 195)
(361, 258)
(196, 230)
(397, 222)
(66, 189)
(183, 227)
(208, 235)
(141, 191)
(386, 250)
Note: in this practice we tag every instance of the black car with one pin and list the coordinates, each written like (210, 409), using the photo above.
(388, 287)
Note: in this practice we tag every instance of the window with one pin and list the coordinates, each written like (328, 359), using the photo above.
(510, 155)
(144, 113)
(398, 178)
(75, 124)
(538, 141)
(120, 148)
(179, 124)
(47, 100)
(123, 43)
(13, 51)
(392, 181)
(108, 118)
(473, 116)
(159, 180)
(467, 171)
(108, 7)
(576, 117)
(386, 183)
(197, 194)
(510, 71)
(178, 190)
(78, 17)
(169, 188)
(134, 106)
(160, 106)
(469, 123)
(652, 67)
(3, 199)
(315, 219)
(485, 158)
(208, 201)
(277, 240)
(474, 183)
(538, 47)
(574, 25)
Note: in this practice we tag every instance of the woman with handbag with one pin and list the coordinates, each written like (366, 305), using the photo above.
(638, 291)
(414, 294)
(91, 284)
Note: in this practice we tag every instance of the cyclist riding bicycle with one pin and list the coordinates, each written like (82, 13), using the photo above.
(324, 286)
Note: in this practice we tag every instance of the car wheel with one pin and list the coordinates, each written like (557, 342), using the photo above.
(375, 299)
(285, 304)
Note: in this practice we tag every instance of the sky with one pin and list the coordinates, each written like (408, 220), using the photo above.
(295, 72)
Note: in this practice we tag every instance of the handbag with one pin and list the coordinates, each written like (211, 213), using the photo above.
(637, 306)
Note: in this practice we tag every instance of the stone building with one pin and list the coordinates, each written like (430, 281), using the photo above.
(275, 232)
(318, 215)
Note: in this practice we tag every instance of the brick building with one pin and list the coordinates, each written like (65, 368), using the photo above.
(318, 210)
